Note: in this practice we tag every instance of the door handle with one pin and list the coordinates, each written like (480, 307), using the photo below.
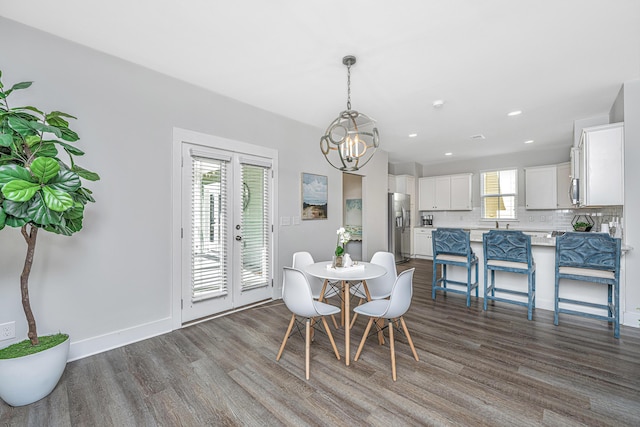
(238, 238)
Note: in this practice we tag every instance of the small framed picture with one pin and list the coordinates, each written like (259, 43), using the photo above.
(315, 192)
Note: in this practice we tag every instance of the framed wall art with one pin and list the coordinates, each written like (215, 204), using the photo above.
(315, 192)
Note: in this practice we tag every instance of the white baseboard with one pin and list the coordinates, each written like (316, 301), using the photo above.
(99, 344)
(631, 318)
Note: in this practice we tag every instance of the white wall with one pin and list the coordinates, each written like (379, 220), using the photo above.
(111, 283)
(631, 226)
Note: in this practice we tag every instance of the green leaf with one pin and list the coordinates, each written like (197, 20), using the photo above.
(44, 168)
(61, 114)
(20, 125)
(41, 127)
(11, 172)
(66, 181)
(69, 135)
(59, 229)
(15, 222)
(57, 200)
(74, 225)
(57, 121)
(41, 214)
(3, 218)
(20, 190)
(34, 109)
(70, 149)
(83, 195)
(76, 212)
(86, 174)
(17, 209)
(6, 140)
(46, 149)
(22, 85)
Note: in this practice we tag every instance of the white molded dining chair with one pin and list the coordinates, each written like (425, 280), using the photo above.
(392, 309)
(296, 294)
(303, 259)
(380, 287)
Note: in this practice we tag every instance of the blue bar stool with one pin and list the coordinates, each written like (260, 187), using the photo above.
(509, 251)
(451, 247)
(590, 257)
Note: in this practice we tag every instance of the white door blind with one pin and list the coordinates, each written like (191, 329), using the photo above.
(208, 228)
(256, 232)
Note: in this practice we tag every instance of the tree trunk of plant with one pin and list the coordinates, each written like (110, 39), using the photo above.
(30, 237)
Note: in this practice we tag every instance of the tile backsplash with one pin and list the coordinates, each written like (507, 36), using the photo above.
(534, 220)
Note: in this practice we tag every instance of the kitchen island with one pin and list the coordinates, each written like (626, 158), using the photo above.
(543, 245)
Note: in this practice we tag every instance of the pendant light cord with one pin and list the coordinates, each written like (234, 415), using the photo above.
(349, 87)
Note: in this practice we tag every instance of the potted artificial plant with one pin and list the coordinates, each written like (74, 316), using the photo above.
(38, 191)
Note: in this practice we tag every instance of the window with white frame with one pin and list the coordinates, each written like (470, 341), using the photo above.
(499, 194)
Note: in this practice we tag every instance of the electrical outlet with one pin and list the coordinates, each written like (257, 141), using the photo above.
(7, 331)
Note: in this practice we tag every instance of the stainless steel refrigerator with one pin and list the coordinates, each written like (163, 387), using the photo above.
(400, 226)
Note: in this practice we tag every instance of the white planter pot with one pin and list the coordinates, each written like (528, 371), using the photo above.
(27, 379)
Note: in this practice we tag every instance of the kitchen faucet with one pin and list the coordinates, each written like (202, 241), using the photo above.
(497, 224)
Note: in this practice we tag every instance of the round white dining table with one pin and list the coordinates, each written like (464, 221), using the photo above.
(361, 272)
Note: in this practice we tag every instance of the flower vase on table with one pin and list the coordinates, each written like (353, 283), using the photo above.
(343, 238)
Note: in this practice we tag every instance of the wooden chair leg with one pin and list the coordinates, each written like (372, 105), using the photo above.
(313, 330)
(364, 338)
(307, 346)
(286, 336)
(333, 343)
(322, 292)
(406, 332)
(380, 325)
(355, 315)
(393, 350)
(335, 323)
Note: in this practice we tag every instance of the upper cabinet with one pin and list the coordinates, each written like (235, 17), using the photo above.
(443, 193)
(541, 187)
(391, 183)
(564, 186)
(405, 184)
(601, 165)
(461, 192)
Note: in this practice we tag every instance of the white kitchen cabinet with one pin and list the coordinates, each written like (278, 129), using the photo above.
(435, 193)
(405, 184)
(427, 193)
(541, 187)
(461, 192)
(563, 186)
(391, 183)
(445, 193)
(423, 243)
(601, 165)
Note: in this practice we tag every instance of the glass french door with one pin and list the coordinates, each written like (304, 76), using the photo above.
(227, 232)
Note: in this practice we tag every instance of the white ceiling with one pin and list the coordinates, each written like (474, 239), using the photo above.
(556, 60)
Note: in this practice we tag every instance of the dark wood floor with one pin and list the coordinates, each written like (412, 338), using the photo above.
(476, 368)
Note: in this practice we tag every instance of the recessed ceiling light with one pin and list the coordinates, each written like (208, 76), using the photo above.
(514, 113)
(448, 154)
(438, 103)
(528, 141)
(478, 136)
(413, 135)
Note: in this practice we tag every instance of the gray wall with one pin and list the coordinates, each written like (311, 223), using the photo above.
(111, 283)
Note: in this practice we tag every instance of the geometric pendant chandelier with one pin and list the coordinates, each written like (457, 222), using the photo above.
(350, 140)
